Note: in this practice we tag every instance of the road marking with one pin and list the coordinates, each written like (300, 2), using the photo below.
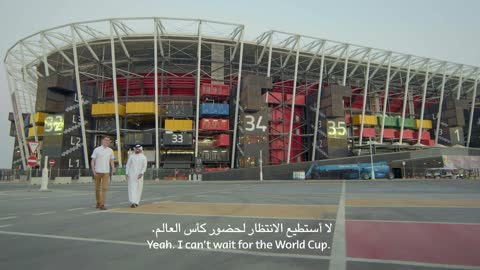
(415, 222)
(338, 256)
(410, 263)
(160, 202)
(412, 202)
(73, 238)
(242, 252)
(6, 225)
(96, 212)
(122, 211)
(23, 199)
(43, 213)
(4, 218)
(75, 209)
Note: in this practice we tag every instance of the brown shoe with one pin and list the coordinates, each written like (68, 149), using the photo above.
(132, 206)
(102, 207)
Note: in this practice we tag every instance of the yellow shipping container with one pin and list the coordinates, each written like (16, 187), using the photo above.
(39, 118)
(369, 120)
(107, 109)
(427, 124)
(40, 130)
(140, 107)
(171, 124)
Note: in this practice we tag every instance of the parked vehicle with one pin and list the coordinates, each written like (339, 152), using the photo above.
(349, 171)
(444, 173)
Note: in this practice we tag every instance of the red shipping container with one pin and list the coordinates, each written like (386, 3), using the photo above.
(389, 133)
(273, 97)
(219, 90)
(299, 99)
(348, 118)
(428, 142)
(214, 124)
(407, 134)
(425, 135)
(222, 140)
(367, 132)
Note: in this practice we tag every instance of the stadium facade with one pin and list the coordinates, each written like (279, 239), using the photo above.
(197, 94)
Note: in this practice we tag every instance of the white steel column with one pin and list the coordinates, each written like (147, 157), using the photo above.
(270, 54)
(44, 55)
(115, 95)
(155, 70)
(440, 105)
(293, 101)
(237, 101)
(24, 86)
(17, 117)
(460, 81)
(405, 96)
(345, 68)
(199, 71)
(385, 97)
(80, 100)
(365, 93)
(422, 111)
(472, 109)
(317, 109)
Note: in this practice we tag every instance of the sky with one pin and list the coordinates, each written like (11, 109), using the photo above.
(445, 30)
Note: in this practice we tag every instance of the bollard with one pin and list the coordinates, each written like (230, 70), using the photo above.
(44, 185)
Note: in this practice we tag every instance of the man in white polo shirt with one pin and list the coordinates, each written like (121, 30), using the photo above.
(102, 159)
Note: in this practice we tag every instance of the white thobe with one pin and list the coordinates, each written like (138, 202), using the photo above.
(136, 165)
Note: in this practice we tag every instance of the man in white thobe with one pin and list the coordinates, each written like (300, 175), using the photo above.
(136, 166)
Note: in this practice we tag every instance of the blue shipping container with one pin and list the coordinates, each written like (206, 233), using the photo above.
(214, 109)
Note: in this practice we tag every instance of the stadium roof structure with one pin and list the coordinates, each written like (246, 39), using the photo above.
(303, 52)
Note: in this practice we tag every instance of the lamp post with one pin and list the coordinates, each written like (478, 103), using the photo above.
(371, 158)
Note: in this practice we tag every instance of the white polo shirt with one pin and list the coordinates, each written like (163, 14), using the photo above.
(102, 156)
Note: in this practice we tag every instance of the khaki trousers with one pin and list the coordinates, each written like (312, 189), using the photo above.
(101, 180)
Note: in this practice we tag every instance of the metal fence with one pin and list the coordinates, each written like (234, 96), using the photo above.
(75, 174)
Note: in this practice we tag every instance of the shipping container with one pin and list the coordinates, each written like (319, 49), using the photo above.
(214, 124)
(214, 90)
(141, 108)
(214, 109)
(428, 142)
(179, 110)
(222, 140)
(389, 133)
(370, 120)
(408, 123)
(106, 109)
(389, 121)
(367, 132)
(38, 118)
(427, 124)
(425, 135)
(39, 130)
(407, 134)
(176, 124)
